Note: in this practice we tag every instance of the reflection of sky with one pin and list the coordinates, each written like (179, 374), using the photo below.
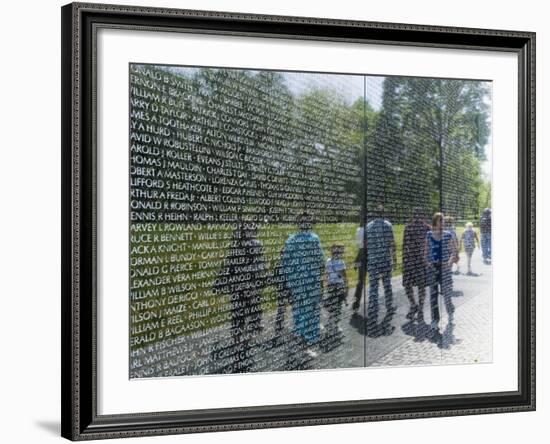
(487, 166)
(375, 86)
(349, 87)
(179, 70)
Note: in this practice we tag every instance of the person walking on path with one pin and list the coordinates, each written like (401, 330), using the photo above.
(439, 251)
(485, 229)
(414, 268)
(303, 264)
(381, 258)
(469, 240)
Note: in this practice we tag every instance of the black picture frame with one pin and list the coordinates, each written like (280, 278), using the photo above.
(80, 420)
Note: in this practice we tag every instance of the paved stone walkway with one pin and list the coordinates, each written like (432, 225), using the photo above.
(467, 341)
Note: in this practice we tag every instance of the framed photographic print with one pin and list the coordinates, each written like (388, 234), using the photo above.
(277, 221)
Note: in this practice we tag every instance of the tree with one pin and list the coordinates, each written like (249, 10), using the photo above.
(428, 146)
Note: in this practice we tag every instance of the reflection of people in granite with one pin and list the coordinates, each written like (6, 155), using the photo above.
(243, 277)
(361, 266)
(469, 240)
(381, 259)
(439, 250)
(414, 268)
(485, 229)
(450, 227)
(303, 264)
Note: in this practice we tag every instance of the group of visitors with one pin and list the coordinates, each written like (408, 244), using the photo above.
(300, 279)
(429, 253)
(428, 256)
(306, 282)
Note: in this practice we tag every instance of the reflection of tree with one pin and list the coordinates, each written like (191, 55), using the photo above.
(318, 143)
(328, 140)
(432, 132)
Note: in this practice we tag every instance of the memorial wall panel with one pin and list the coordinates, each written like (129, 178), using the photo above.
(266, 207)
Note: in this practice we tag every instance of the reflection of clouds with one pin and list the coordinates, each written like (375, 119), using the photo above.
(487, 166)
(320, 148)
(349, 87)
(178, 70)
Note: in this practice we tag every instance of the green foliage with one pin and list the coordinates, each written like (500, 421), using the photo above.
(428, 146)
(484, 196)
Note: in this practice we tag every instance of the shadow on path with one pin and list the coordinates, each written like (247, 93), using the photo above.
(448, 338)
(420, 332)
(370, 327)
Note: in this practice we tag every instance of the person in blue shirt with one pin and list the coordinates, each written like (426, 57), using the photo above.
(303, 264)
(439, 253)
(381, 258)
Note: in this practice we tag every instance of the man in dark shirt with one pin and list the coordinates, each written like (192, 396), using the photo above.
(414, 268)
(485, 229)
(381, 258)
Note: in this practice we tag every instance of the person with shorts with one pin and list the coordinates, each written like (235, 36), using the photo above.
(469, 240)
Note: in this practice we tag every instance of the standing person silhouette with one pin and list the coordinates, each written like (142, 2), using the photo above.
(439, 252)
(303, 264)
(469, 240)
(381, 259)
(485, 230)
(361, 266)
(414, 268)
